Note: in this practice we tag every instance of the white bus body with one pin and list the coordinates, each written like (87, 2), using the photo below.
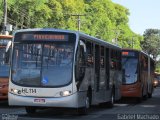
(41, 77)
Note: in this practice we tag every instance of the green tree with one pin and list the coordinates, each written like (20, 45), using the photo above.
(1, 11)
(151, 42)
(101, 18)
(127, 38)
(26, 13)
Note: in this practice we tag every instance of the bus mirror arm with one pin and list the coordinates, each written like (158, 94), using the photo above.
(7, 53)
(7, 57)
(85, 55)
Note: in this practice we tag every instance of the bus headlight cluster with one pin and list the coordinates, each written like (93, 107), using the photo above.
(155, 82)
(65, 93)
(15, 91)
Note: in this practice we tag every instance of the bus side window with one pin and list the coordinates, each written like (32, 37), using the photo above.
(113, 60)
(144, 64)
(80, 62)
(89, 48)
(119, 58)
(102, 57)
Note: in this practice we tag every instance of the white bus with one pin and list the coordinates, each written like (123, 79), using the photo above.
(61, 68)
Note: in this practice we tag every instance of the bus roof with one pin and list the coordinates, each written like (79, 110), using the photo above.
(100, 41)
(140, 51)
(78, 33)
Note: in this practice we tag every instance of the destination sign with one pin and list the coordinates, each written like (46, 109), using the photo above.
(126, 53)
(44, 37)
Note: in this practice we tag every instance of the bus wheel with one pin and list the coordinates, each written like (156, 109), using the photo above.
(111, 103)
(150, 94)
(30, 110)
(84, 110)
(145, 97)
(112, 99)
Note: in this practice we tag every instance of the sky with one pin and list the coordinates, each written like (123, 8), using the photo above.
(144, 14)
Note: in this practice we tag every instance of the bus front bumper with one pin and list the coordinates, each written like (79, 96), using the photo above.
(131, 93)
(71, 101)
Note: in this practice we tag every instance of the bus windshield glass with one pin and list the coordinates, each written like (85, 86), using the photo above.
(4, 68)
(42, 64)
(129, 65)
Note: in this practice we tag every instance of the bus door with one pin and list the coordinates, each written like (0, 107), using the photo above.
(107, 67)
(97, 67)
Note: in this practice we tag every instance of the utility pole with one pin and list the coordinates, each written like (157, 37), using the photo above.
(4, 17)
(78, 20)
(133, 41)
(116, 32)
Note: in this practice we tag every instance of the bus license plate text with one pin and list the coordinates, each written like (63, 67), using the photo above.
(25, 90)
(40, 100)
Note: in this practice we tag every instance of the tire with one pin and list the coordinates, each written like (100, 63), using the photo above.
(150, 94)
(84, 110)
(111, 103)
(145, 97)
(30, 110)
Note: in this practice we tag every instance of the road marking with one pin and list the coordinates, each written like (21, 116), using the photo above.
(148, 105)
(121, 105)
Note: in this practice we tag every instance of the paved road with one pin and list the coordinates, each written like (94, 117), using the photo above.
(125, 110)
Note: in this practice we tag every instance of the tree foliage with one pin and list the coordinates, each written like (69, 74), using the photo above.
(100, 18)
(151, 42)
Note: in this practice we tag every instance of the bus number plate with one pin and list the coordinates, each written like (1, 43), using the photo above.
(40, 100)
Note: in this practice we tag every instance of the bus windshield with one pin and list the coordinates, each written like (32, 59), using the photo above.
(4, 68)
(129, 65)
(42, 64)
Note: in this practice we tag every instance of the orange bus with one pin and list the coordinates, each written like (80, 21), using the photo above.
(138, 74)
(4, 68)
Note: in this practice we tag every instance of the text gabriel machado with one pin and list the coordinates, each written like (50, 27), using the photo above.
(138, 116)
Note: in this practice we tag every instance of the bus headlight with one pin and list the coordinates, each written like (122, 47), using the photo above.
(65, 93)
(155, 82)
(16, 91)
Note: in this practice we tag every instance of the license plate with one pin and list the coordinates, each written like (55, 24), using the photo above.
(40, 100)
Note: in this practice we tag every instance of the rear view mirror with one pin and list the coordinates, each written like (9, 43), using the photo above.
(7, 53)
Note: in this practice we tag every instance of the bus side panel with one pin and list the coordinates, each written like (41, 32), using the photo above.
(144, 74)
(118, 84)
(103, 94)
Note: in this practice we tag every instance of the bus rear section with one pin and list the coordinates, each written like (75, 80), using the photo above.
(4, 68)
(131, 86)
(137, 74)
(48, 69)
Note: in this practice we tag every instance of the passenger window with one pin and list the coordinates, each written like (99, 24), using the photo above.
(113, 60)
(89, 47)
(102, 57)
